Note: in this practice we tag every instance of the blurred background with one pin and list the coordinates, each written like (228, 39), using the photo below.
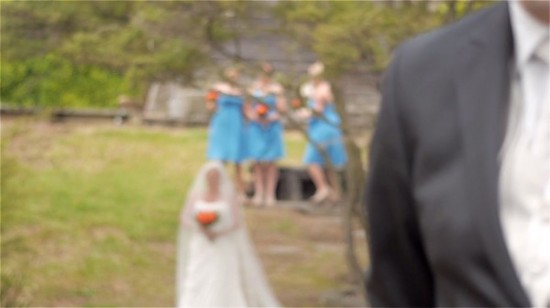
(104, 126)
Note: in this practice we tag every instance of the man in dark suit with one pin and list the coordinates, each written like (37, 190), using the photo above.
(460, 168)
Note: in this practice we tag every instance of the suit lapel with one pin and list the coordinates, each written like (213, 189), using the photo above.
(483, 83)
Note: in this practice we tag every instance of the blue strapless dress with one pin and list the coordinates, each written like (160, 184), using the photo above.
(265, 141)
(328, 136)
(227, 132)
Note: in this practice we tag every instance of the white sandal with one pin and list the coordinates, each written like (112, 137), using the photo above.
(320, 195)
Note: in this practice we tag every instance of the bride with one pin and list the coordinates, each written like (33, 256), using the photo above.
(217, 265)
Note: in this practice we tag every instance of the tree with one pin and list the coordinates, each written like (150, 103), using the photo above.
(360, 37)
(34, 72)
(115, 46)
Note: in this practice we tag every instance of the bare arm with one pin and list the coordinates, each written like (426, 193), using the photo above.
(322, 97)
(211, 105)
(281, 100)
(248, 111)
(281, 103)
(188, 220)
(211, 100)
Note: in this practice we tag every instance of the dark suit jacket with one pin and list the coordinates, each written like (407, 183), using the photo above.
(432, 196)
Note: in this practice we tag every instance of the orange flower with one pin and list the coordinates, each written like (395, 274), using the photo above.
(212, 95)
(296, 103)
(262, 109)
(207, 218)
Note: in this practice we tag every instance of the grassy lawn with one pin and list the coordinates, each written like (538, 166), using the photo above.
(90, 212)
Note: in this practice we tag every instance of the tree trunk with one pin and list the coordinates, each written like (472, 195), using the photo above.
(355, 175)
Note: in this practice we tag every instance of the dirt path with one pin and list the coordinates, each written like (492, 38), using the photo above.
(303, 254)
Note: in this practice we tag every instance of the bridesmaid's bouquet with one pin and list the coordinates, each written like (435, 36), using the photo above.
(296, 103)
(207, 218)
(262, 110)
(212, 95)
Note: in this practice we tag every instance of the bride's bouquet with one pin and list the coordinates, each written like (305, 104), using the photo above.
(207, 218)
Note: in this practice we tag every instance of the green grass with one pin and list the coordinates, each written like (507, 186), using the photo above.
(88, 214)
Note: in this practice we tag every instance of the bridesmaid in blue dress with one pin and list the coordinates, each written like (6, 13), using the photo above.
(323, 130)
(227, 135)
(266, 135)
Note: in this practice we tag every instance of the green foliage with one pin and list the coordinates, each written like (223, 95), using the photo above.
(55, 81)
(361, 35)
(86, 53)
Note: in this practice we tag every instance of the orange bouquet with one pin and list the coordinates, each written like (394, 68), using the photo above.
(296, 103)
(212, 95)
(207, 218)
(262, 110)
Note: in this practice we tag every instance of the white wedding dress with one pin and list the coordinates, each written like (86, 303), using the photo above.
(220, 273)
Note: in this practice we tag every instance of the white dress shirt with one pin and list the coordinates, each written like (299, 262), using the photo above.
(525, 169)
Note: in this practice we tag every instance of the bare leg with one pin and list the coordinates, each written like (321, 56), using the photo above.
(318, 176)
(334, 187)
(320, 181)
(258, 184)
(272, 176)
(239, 181)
